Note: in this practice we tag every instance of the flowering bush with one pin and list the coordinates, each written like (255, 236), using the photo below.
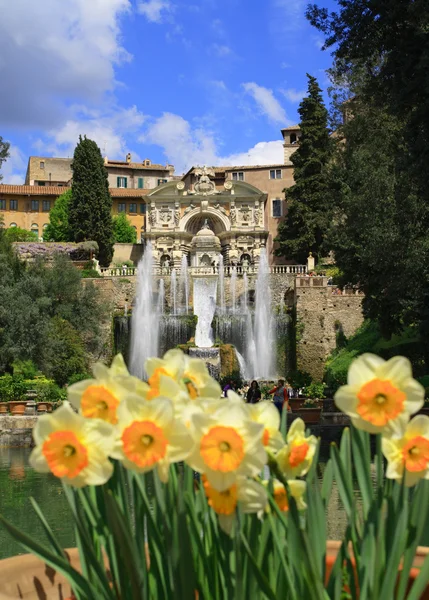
(182, 491)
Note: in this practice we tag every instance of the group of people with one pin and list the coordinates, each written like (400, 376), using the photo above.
(281, 393)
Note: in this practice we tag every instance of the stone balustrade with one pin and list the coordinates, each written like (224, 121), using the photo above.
(209, 270)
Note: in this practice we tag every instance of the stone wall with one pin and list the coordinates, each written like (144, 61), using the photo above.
(16, 432)
(124, 252)
(320, 315)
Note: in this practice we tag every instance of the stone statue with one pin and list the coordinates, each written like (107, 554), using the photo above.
(189, 208)
(177, 217)
(257, 216)
(233, 215)
(152, 216)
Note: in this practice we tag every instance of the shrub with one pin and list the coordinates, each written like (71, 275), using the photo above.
(315, 391)
(6, 389)
(90, 274)
(65, 354)
(26, 368)
(49, 391)
(76, 377)
(299, 379)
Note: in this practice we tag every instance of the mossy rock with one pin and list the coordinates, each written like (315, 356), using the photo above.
(228, 360)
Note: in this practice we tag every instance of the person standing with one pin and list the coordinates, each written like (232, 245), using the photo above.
(229, 386)
(280, 397)
(253, 393)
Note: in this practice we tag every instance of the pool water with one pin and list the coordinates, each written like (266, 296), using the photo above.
(18, 482)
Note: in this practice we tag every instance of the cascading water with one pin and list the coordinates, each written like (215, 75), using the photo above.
(233, 290)
(221, 285)
(204, 309)
(264, 364)
(161, 297)
(174, 291)
(184, 283)
(245, 298)
(145, 318)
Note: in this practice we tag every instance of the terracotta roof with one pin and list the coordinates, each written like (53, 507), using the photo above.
(46, 190)
(291, 128)
(125, 165)
(247, 167)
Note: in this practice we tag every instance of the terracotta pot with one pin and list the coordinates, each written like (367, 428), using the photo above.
(17, 407)
(42, 407)
(3, 408)
(295, 403)
(310, 415)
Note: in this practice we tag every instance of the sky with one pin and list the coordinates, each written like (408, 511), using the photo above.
(184, 82)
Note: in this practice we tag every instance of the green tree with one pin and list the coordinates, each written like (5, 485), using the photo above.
(4, 153)
(90, 216)
(123, 231)
(64, 354)
(58, 229)
(16, 234)
(308, 200)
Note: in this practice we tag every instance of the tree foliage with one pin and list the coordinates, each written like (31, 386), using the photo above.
(64, 355)
(308, 200)
(90, 215)
(16, 234)
(4, 153)
(123, 231)
(58, 229)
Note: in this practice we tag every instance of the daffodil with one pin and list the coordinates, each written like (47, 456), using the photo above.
(295, 458)
(408, 456)
(380, 395)
(100, 397)
(297, 490)
(198, 380)
(244, 492)
(267, 414)
(149, 437)
(227, 444)
(73, 448)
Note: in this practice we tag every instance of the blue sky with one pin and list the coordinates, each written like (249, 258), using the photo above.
(178, 81)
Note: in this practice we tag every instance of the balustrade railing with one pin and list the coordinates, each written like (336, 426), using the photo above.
(209, 270)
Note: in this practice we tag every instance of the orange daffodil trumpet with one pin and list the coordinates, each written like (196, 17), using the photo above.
(295, 458)
(297, 490)
(380, 395)
(267, 414)
(73, 448)
(408, 456)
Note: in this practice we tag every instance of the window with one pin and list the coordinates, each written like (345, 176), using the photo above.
(133, 208)
(142, 208)
(277, 208)
(46, 205)
(239, 176)
(121, 182)
(41, 183)
(12, 225)
(122, 207)
(140, 183)
(35, 229)
(35, 205)
(13, 205)
(275, 174)
(160, 181)
(2, 204)
(42, 164)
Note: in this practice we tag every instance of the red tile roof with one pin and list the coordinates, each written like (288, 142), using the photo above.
(51, 190)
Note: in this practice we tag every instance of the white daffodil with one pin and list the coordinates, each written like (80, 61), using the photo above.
(149, 437)
(249, 495)
(100, 397)
(409, 454)
(297, 490)
(267, 414)
(198, 380)
(73, 448)
(295, 458)
(380, 395)
(227, 444)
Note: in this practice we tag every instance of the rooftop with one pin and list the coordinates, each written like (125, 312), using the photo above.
(291, 128)
(51, 190)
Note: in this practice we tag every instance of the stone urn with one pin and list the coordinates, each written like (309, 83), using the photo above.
(17, 407)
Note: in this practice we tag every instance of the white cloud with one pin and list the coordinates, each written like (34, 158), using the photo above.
(185, 146)
(288, 15)
(155, 11)
(294, 95)
(14, 169)
(266, 102)
(110, 130)
(221, 50)
(51, 52)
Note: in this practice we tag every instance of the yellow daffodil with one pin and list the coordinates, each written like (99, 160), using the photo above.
(198, 381)
(100, 397)
(297, 491)
(409, 454)
(227, 444)
(295, 458)
(149, 437)
(249, 495)
(266, 413)
(73, 448)
(380, 395)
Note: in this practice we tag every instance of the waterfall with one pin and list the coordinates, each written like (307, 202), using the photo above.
(204, 309)
(125, 309)
(161, 297)
(221, 285)
(233, 289)
(243, 367)
(245, 299)
(174, 291)
(145, 317)
(184, 282)
(264, 338)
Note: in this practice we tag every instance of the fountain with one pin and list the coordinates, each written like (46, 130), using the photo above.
(221, 285)
(233, 289)
(264, 340)
(145, 317)
(204, 309)
(161, 297)
(174, 291)
(184, 283)
(245, 299)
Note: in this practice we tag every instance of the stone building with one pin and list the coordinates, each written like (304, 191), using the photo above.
(49, 171)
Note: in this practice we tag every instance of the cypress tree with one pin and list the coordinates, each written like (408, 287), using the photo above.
(308, 205)
(90, 216)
